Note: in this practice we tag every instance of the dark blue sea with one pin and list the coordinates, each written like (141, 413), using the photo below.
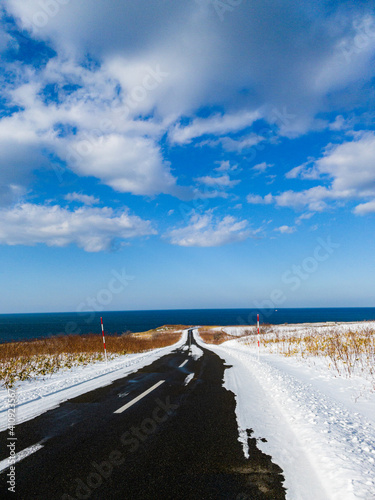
(29, 326)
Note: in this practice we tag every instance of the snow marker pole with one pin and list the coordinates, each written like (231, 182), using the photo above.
(105, 350)
(258, 334)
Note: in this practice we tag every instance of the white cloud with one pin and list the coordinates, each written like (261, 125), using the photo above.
(313, 199)
(351, 165)
(234, 145)
(93, 229)
(207, 194)
(256, 199)
(365, 208)
(220, 182)
(121, 151)
(6, 40)
(82, 198)
(260, 168)
(286, 229)
(225, 166)
(206, 231)
(271, 178)
(240, 62)
(304, 171)
(305, 216)
(340, 123)
(129, 165)
(349, 169)
(215, 125)
(353, 53)
(205, 64)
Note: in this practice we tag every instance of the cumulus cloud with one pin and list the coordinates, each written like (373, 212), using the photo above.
(305, 216)
(256, 199)
(156, 64)
(365, 208)
(208, 193)
(305, 171)
(6, 40)
(86, 130)
(82, 198)
(340, 123)
(93, 229)
(215, 125)
(261, 168)
(285, 229)
(233, 145)
(211, 61)
(224, 181)
(206, 231)
(236, 145)
(129, 165)
(348, 168)
(351, 166)
(225, 166)
(313, 199)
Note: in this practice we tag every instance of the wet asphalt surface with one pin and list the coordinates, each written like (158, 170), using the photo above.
(177, 442)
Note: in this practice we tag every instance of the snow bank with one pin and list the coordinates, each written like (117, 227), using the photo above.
(196, 353)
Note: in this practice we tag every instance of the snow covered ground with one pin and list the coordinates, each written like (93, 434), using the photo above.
(38, 396)
(319, 428)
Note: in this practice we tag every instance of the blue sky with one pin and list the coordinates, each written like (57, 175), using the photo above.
(192, 154)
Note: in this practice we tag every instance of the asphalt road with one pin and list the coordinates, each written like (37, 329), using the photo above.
(155, 434)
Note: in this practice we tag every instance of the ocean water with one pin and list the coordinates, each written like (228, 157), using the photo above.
(28, 326)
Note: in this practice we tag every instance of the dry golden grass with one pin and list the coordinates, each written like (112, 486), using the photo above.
(347, 352)
(212, 336)
(26, 360)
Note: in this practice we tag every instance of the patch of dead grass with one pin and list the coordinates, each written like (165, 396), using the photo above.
(33, 358)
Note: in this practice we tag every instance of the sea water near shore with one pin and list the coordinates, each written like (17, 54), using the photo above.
(39, 325)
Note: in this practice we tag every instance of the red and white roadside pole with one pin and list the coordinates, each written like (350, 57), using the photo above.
(258, 334)
(105, 350)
